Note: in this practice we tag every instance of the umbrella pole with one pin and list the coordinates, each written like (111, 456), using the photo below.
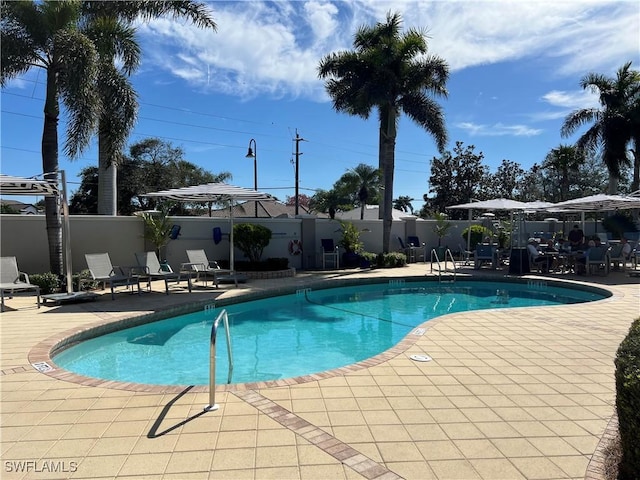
(65, 233)
(231, 260)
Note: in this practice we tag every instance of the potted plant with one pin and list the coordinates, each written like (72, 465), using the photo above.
(157, 230)
(351, 243)
(441, 228)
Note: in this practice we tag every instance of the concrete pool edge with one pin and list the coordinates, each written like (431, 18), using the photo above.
(43, 352)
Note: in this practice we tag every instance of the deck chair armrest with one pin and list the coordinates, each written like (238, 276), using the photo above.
(23, 275)
(186, 266)
(139, 270)
(214, 264)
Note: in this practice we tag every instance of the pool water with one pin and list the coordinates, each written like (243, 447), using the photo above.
(294, 335)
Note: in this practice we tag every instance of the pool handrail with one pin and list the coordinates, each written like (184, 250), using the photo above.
(212, 358)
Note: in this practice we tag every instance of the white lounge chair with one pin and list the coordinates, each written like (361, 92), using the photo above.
(12, 280)
(150, 269)
(201, 265)
(103, 271)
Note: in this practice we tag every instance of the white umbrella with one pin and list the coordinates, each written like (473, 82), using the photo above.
(213, 192)
(596, 203)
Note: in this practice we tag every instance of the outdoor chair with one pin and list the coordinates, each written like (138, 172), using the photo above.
(329, 252)
(150, 269)
(617, 258)
(420, 248)
(465, 255)
(484, 254)
(103, 271)
(11, 280)
(596, 260)
(409, 251)
(201, 265)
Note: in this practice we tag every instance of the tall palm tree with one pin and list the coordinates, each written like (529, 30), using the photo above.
(119, 99)
(612, 124)
(367, 181)
(392, 73)
(44, 34)
(565, 159)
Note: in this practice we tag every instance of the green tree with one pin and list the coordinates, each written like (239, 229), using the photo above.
(365, 181)
(119, 100)
(455, 178)
(507, 181)
(329, 201)
(612, 125)
(152, 165)
(403, 203)
(45, 34)
(564, 162)
(392, 73)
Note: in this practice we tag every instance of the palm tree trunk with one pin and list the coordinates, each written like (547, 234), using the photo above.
(635, 186)
(388, 152)
(50, 168)
(107, 181)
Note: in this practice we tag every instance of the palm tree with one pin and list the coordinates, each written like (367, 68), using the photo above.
(119, 99)
(403, 203)
(392, 73)
(366, 180)
(612, 124)
(565, 159)
(44, 34)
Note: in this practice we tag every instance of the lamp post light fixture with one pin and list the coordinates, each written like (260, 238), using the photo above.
(253, 153)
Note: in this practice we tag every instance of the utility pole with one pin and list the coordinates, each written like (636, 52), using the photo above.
(298, 139)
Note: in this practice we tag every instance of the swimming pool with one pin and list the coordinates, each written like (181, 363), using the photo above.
(295, 335)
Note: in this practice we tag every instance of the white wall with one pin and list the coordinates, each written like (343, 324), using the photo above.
(24, 236)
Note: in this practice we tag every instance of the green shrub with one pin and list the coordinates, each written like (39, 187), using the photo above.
(85, 276)
(391, 260)
(478, 232)
(370, 257)
(269, 265)
(48, 282)
(251, 239)
(627, 364)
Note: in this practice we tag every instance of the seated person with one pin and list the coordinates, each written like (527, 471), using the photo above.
(576, 238)
(581, 260)
(537, 257)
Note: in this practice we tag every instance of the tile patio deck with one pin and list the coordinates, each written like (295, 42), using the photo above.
(512, 394)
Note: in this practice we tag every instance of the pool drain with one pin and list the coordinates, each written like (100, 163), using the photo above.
(420, 358)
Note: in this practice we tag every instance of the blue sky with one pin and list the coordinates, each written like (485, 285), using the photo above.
(515, 70)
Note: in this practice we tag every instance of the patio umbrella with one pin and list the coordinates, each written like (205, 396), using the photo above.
(213, 192)
(596, 203)
(499, 204)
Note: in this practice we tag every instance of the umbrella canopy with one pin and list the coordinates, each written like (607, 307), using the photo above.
(210, 192)
(10, 185)
(213, 192)
(596, 203)
(494, 204)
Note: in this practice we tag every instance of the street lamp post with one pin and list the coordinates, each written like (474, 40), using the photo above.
(253, 153)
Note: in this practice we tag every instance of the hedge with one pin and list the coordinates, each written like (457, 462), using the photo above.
(627, 364)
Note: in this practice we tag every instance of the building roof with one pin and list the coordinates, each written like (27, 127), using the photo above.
(371, 213)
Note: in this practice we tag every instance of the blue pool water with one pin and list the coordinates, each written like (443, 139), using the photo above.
(293, 335)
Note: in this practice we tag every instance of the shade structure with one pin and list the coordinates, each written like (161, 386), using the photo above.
(10, 185)
(500, 204)
(213, 192)
(596, 203)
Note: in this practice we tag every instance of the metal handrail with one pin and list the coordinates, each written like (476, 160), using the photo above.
(212, 358)
(447, 253)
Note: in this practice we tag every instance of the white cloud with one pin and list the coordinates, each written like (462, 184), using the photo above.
(274, 48)
(498, 130)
